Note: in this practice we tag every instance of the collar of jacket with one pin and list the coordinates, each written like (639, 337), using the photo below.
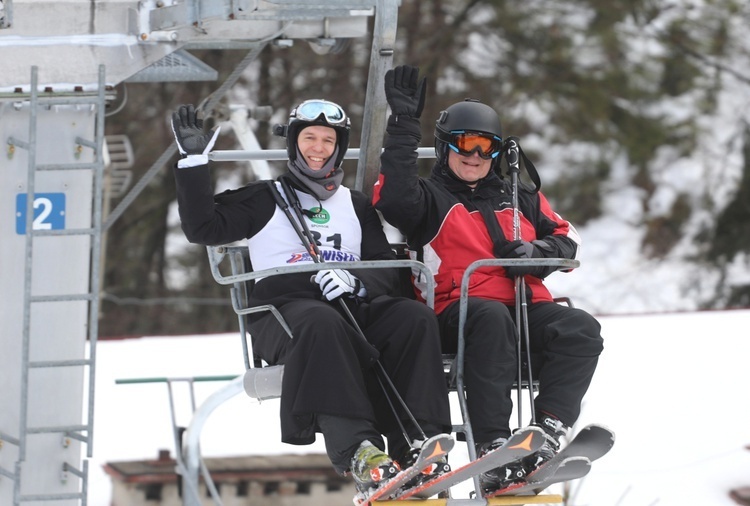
(295, 183)
(491, 184)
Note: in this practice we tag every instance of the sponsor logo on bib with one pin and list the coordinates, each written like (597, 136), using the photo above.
(319, 215)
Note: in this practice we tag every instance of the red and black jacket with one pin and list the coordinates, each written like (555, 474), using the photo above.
(444, 221)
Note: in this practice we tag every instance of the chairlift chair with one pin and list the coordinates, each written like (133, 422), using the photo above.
(262, 381)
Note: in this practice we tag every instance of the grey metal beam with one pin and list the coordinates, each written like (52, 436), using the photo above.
(159, 164)
(231, 155)
(374, 120)
(130, 35)
(6, 13)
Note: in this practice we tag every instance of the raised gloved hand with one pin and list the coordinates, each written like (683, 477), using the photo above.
(404, 95)
(524, 249)
(194, 144)
(336, 282)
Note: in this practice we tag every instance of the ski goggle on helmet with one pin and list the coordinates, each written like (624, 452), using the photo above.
(465, 143)
(468, 127)
(312, 110)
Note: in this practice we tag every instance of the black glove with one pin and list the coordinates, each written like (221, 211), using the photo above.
(402, 92)
(189, 135)
(524, 249)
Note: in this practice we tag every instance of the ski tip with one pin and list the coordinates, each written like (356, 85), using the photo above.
(600, 428)
(441, 445)
(529, 438)
(438, 451)
(575, 459)
(527, 443)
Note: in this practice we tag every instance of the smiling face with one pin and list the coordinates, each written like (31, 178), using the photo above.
(316, 143)
(469, 169)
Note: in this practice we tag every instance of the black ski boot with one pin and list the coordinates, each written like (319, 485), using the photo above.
(499, 477)
(429, 473)
(553, 431)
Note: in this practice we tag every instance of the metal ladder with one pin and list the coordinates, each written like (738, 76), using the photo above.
(80, 432)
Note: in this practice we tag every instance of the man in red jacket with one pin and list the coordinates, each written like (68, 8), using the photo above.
(462, 213)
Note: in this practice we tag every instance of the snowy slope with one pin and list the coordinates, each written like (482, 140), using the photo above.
(673, 387)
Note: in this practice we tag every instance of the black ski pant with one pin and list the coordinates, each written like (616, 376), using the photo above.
(565, 344)
(489, 363)
(330, 387)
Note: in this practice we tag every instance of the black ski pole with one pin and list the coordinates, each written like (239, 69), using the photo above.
(285, 209)
(307, 240)
(522, 316)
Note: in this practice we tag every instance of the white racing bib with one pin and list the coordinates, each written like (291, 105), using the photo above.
(334, 227)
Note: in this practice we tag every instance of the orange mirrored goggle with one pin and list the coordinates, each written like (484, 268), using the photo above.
(466, 143)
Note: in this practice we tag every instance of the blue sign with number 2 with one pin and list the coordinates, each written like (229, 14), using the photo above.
(49, 212)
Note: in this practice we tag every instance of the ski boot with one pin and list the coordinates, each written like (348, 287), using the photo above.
(553, 431)
(503, 476)
(429, 473)
(370, 466)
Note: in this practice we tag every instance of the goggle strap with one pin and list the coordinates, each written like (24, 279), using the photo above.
(280, 130)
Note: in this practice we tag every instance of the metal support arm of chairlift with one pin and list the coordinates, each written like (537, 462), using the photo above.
(560, 263)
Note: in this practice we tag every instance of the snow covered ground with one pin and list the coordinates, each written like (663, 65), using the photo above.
(673, 387)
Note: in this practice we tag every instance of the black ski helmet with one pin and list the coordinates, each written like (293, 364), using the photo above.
(316, 112)
(468, 116)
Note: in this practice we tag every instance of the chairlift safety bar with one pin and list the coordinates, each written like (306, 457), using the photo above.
(281, 154)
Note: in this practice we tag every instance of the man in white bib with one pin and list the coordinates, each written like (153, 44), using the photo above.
(330, 383)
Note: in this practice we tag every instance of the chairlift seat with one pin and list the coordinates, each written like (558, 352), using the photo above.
(262, 381)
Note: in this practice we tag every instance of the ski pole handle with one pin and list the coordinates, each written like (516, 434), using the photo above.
(511, 154)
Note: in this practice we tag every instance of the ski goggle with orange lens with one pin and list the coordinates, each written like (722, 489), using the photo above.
(467, 143)
(310, 110)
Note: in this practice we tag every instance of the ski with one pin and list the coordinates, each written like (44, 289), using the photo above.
(524, 442)
(591, 443)
(432, 450)
(571, 468)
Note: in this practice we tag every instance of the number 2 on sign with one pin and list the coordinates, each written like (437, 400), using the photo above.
(49, 212)
(39, 222)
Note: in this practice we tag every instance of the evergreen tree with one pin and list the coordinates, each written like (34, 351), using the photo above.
(604, 95)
